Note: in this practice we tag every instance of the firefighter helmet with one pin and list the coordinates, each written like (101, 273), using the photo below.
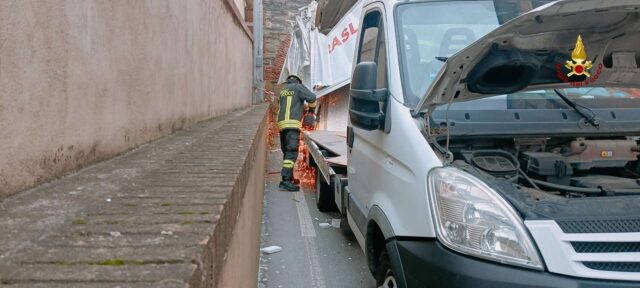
(294, 76)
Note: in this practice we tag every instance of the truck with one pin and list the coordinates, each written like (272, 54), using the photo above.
(489, 143)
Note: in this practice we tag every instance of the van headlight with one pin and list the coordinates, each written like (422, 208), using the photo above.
(473, 219)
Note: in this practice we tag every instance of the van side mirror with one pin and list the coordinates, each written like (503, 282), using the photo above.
(365, 111)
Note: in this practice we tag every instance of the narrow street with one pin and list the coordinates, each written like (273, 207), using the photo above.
(470, 144)
(311, 256)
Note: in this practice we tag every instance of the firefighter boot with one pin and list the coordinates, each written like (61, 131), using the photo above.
(287, 185)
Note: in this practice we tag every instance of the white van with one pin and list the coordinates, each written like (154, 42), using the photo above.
(491, 148)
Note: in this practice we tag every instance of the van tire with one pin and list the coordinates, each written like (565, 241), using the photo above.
(384, 273)
(324, 194)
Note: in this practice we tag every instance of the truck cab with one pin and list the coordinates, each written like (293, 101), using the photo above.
(494, 144)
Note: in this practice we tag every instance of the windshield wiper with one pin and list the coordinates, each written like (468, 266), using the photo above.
(578, 108)
(442, 58)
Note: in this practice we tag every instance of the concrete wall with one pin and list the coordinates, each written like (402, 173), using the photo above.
(82, 81)
(243, 253)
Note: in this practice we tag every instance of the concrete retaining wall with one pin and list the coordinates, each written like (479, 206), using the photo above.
(183, 211)
(232, 252)
(243, 251)
(82, 81)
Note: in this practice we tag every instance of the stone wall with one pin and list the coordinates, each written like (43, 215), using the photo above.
(272, 72)
(82, 81)
(278, 15)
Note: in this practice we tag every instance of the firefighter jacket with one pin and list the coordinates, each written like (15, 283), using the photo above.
(292, 99)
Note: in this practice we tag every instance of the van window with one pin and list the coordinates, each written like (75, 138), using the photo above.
(368, 48)
(373, 46)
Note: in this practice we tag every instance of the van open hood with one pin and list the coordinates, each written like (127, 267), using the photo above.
(542, 49)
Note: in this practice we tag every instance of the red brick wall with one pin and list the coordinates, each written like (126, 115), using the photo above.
(272, 72)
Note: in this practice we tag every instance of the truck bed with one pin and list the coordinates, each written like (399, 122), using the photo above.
(332, 141)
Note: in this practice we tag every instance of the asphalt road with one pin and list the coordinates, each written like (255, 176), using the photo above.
(311, 256)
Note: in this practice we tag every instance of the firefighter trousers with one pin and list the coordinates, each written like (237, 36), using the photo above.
(289, 141)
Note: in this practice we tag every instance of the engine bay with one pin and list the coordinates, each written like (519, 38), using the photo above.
(562, 166)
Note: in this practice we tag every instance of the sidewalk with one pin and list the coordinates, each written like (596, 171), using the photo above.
(157, 216)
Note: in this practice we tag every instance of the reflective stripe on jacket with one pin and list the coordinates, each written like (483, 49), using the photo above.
(292, 99)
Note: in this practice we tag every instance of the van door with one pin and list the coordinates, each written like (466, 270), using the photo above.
(365, 165)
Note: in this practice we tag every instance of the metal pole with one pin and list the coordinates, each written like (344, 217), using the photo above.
(258, 62)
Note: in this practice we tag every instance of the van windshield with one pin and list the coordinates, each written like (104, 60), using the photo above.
(431, 30)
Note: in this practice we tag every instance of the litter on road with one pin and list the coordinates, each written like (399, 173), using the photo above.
(271, 249)
(324, 225)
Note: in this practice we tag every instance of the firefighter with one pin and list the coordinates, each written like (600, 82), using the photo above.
(292, 98)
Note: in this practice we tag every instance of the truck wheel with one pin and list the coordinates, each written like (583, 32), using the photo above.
(324, 194)
(385, 277)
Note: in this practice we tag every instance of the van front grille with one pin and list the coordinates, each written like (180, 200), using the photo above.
(600, 226)
(614, 266)
(580, 252)
(606, 247)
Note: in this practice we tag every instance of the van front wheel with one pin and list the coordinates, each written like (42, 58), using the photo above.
(385, 277)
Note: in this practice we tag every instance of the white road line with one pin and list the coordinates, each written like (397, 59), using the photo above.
(308, 236)
(306, 224)
(317, 279)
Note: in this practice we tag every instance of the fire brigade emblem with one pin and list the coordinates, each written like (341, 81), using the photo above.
(578, 63)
